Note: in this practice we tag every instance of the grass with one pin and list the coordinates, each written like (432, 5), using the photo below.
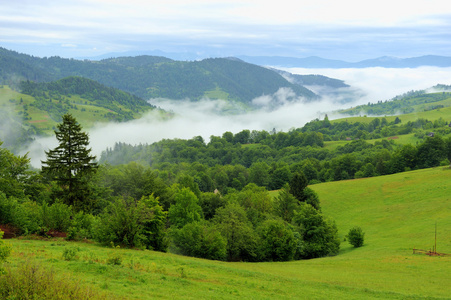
(396, 212)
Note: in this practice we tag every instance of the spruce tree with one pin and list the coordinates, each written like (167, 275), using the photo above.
(70, 164)
(297, 185)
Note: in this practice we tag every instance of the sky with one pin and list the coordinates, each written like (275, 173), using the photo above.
(350, 30)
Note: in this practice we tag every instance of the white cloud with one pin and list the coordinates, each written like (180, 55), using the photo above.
(384, 83)
(323, 27)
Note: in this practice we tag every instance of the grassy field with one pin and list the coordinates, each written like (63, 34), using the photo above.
(397, 213)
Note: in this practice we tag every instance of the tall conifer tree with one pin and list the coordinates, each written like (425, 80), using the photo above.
(70, 164)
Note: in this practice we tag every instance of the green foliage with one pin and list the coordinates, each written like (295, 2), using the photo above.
(356, 236)
(33, 281)
(319, 235)
(277, 241)
(185, 210)
(70, 253)
(14, 174)
(81, 227)
(199, 239)
(286, 204)
(23, 215)
(57, 216)
(132, 223)
(70, 164)
(242, 240)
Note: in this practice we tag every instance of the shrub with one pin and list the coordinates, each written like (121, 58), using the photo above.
(200, 239)
(355, 236)
(70, 253)
(32, 281)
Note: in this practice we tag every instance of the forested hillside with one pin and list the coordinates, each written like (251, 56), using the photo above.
(123, 104)
(40, 107)
(270, 159)
(436, 97)
(153, 77)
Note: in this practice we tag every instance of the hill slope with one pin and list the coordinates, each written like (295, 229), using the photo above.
(38, 109)
(397, 212)
(153, 77)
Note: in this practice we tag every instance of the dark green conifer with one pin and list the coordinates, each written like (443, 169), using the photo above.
(70, 164)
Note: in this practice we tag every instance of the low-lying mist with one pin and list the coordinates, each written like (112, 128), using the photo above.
(206, 118)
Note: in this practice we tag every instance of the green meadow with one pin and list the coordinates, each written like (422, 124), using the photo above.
(396, 212)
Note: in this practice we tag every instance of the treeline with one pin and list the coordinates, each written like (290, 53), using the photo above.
(402, 104)
(55, 96)
(130, 206)
(269, 160)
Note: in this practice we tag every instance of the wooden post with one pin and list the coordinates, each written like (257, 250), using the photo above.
(435, 237)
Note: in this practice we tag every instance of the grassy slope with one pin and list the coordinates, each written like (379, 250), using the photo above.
(397, 212)
(11, 99)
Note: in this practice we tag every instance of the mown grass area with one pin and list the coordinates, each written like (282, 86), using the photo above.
(396, 212)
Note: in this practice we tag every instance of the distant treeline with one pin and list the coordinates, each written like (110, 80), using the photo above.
(402, 104)
(270, 159)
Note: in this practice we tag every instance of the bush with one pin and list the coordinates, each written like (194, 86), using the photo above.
(200, 239)
(32, 281)
(71, 253)
(355, 236)
(132, 223)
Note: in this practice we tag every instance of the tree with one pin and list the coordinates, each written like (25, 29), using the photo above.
(286, 204)
(14, 177)
(297, 185)
(356, 236)
(185, 210)
(70, 163)
(319, 236)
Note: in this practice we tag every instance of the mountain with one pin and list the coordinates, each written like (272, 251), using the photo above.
(156, 77)
(318, 62)
(160, 77)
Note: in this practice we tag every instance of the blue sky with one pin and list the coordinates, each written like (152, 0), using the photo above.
(348, 29)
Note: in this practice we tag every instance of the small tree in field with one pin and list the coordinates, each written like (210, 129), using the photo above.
(70, 164)
(356, 236)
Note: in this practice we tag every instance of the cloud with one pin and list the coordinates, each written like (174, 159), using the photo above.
(333, 29)
(384, 83)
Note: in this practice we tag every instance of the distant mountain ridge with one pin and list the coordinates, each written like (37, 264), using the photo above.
(302, 62)
(318, 62)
